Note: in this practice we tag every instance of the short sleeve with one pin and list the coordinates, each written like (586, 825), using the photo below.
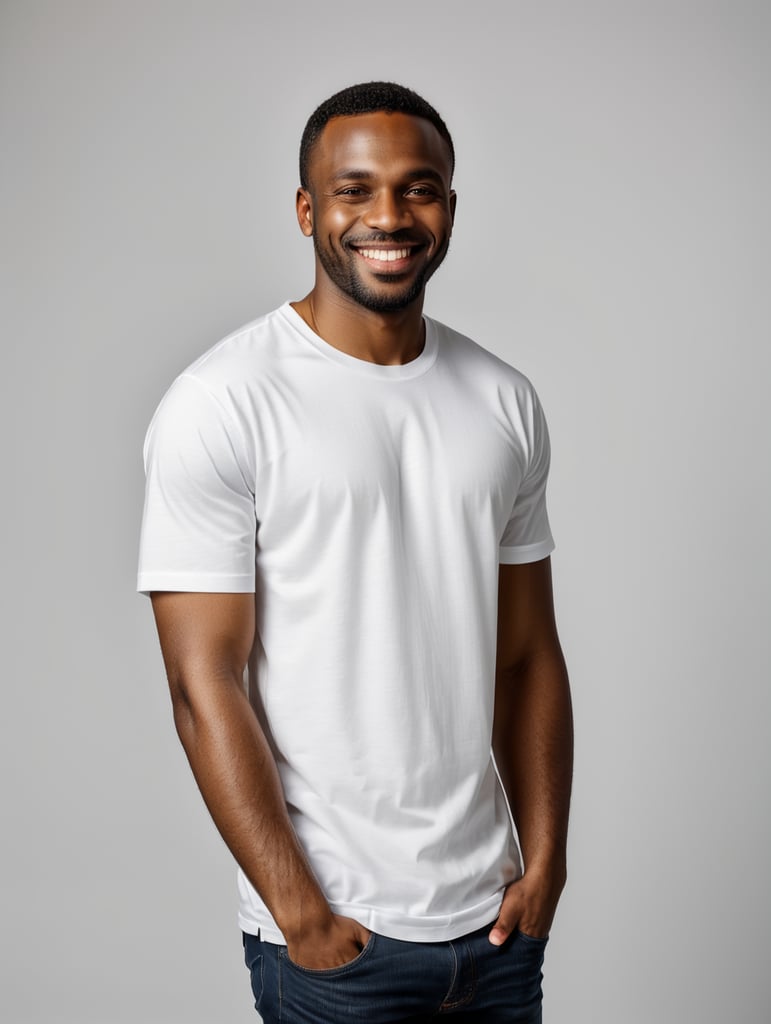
(527, 536)
(199, 524)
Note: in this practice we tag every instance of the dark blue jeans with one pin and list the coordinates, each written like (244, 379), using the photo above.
(466, 981)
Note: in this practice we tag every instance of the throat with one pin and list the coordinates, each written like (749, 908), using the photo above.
(384, 339)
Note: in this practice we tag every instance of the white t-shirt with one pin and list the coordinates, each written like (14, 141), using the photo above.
(368, 508)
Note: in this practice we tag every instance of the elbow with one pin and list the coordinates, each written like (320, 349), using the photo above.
(201, 696)
(182, 706)
(190, 694)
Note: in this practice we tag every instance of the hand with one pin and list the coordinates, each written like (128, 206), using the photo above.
(334, 945)
(529, 905)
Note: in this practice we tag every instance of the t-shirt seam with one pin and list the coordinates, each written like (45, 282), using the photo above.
(239, 332)
(362, 371)
(193, 572)
(186, 375)
(536, 444)
(521, 547)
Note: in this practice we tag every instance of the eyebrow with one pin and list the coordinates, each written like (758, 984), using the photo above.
(362, 175)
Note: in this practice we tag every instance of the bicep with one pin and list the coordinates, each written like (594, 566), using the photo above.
(526, 623)
(203, 637)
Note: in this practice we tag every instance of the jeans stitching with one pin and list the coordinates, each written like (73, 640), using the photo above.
(446, 1004)
(463, 1000)
(331, 972)
(280, 986)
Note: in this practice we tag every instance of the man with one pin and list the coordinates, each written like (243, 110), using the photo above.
(347, 498)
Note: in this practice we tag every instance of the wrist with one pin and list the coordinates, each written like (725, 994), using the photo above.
(311, 916)
(548, 866)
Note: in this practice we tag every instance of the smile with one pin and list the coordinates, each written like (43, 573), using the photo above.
(384, 255)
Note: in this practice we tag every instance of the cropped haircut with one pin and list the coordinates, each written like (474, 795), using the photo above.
(367, 98)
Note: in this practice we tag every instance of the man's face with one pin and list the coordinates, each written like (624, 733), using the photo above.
(379, 207)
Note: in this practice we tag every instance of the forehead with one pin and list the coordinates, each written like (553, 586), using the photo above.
(379, 143)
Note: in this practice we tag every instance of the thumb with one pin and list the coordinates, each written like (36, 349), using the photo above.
(507, 919)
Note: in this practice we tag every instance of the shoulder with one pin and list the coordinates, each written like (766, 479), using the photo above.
(460, 348)
(245, 355)
(223, 384)
(483, 368)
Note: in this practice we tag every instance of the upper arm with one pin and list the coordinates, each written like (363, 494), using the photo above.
(526, 623)
(197, 549)
(527, 537)
(199, 524)
(204, 637)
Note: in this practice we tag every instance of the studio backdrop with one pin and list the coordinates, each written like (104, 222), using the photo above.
(611, 242)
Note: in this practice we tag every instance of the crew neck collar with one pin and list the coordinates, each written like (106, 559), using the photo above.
(401, 371)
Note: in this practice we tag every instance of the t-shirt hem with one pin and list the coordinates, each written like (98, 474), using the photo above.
(524, 553)
(437, 928)
(193, 583)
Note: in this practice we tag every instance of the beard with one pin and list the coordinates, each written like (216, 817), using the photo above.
(342, 272)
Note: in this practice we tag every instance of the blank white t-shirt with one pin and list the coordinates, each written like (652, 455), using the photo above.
(368, 508)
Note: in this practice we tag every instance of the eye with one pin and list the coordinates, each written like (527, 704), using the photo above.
(421, 191)
(350, 190)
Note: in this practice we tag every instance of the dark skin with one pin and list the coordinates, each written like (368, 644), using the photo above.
(533, 744)
(379, 182)
(380, 208)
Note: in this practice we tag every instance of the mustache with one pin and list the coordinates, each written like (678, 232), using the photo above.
(381, 238)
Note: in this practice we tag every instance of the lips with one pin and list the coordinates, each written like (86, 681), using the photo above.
(390, 259)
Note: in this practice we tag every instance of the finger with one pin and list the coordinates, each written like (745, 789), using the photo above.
(508, 918)
(500, 932)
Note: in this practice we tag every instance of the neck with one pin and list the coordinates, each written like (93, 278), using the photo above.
(389, 339)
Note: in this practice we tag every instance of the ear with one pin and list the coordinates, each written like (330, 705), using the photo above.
(453, 202)
(304, 207)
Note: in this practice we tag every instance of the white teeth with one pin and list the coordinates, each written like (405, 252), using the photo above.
(385, 255)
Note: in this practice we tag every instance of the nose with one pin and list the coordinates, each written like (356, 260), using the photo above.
(388, 211)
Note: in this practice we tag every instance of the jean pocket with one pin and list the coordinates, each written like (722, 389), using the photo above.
(330, 972)
(255, 961)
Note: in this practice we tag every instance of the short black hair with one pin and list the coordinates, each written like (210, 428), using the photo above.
(367, 98)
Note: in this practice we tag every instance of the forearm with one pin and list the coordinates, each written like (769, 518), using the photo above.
(533, 747)
(236, 773)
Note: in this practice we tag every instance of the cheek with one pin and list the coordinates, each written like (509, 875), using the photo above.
(336, 222)
(438, 221)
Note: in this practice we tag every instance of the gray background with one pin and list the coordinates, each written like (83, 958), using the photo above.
(612, 241)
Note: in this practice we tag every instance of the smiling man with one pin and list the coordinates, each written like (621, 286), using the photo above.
(346, 506)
